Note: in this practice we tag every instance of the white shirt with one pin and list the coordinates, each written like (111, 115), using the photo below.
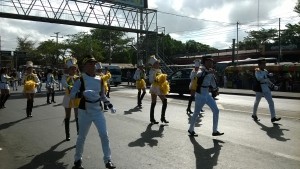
(209, 79)
(153, 73)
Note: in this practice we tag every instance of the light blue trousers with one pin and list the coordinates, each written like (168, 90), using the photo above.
(200, 101)
(85, 119)
(269, 99)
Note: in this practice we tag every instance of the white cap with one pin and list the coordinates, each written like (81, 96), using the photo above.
(98, 65)
(197, 63)
(152, 60)
(140, 63)
(29, 64)
(71, 62)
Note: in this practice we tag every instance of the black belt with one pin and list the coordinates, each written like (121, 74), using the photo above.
(93, 101)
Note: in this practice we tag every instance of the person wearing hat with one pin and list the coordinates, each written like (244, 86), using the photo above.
(30, 81)
(205, 79)
(261, 75)
(68, 103)
(139, 76)
(104, 78)
(193, 85)
(107, 84)
(50, 82)
(90, 89)
(159, 87)
(4, 86)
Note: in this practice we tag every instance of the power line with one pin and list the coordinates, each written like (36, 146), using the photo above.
(184, 16)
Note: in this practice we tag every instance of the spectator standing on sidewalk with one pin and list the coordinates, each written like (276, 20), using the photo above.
(91, 91)
(14, 79)
(262, 89)
(30, 81)
(128, 76)
(50, 82)
(4, 86)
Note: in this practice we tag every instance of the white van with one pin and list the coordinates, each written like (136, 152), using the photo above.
(115, 72)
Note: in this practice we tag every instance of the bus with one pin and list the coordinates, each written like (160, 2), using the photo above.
(116, 74)
(286, 75)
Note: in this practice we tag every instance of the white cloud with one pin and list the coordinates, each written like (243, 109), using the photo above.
(191, 23)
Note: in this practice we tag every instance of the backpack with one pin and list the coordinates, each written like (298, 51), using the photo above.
(256, 86)
(200, 81)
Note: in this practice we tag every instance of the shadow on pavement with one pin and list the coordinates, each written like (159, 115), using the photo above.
(197, 124)
(147, 137)
(274, 132)
(49, 159)
(7, 125)
(132, 110)
(206, 158)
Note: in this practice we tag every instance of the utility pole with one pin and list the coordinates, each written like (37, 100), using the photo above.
(110, 59)
(56, 36)
(233, 52)
(0, 53)
(237, 41)
(279, 44)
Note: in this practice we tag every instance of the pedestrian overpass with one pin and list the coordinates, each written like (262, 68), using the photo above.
(120, 15)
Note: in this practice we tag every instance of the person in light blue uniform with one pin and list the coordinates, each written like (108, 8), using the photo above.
(202, 96)
(262, 76)
(91, 91)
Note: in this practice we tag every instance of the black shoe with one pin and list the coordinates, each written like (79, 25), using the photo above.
(53, 101)
(255, 118)
(217, 134)
(275, 119)
(110, 165)
(188, 111)
(154, 122)
(77, 165)
(48, 102)
(164, 120)
(192, 133)
(68, 138)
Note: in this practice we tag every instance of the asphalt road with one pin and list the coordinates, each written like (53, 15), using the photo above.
(38, 142)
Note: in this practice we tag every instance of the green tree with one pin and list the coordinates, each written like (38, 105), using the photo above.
(48, 51)
(26, 45)
(112, 41)
(291, 35)
(297, 7)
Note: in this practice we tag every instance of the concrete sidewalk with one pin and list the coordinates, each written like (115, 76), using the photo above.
(245, 92)
(275, 94)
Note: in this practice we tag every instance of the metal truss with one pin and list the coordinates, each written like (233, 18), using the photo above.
(87, 13)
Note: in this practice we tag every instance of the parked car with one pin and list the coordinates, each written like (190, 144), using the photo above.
(180, 80)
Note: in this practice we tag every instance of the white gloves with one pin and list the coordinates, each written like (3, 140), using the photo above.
(276, 87)
(113, 110)
(270, 74)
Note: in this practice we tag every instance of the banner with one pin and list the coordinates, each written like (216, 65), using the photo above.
(134, 3)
